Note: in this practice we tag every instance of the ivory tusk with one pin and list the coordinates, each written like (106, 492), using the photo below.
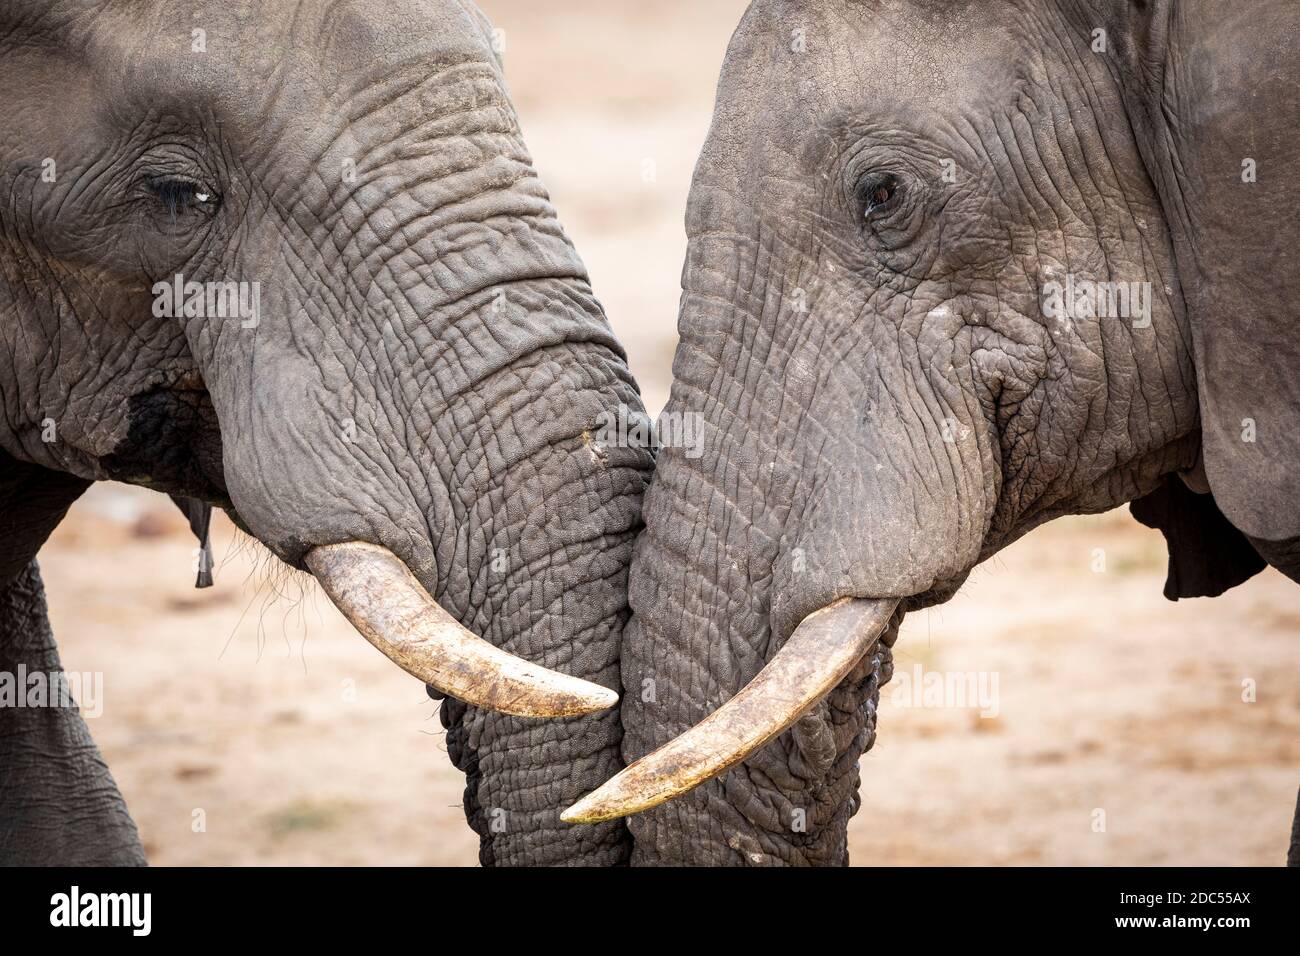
(382, 599)
(823, 649)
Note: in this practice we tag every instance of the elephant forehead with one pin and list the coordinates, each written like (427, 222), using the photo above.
(233, 57)
(798, 72)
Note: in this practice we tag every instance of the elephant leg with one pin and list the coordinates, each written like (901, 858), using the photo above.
(58, 802)
(1293, 857)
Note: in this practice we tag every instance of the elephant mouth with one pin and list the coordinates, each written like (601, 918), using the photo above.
(172, 442)
(940, 593)
(826, 646)
(191, 381)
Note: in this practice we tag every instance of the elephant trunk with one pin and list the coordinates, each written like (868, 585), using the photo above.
(549, 538)
(830, 492)
(462, 515)
(423, 393)
(708, 682)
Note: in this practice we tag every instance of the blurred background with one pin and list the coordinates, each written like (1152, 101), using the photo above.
(1128, 730)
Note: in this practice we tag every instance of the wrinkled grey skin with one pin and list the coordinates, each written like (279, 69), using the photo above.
(431, 310)
(923, 411)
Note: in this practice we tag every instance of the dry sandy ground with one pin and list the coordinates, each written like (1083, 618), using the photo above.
(300, 744)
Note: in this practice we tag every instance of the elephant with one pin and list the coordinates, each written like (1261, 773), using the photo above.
(294, 261)
(955, 268)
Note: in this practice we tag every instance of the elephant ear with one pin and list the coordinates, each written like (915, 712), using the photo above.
(1228, 167)
(1207, 555)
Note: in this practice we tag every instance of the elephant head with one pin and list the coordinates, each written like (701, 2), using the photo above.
(954, 269)
(295, 260)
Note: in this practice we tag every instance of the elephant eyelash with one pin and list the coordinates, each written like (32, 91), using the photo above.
(180, 196)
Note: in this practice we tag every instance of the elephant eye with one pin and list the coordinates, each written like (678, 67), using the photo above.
(180, 197)
(878, 195)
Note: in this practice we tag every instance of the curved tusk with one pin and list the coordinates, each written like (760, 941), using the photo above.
(823, 649)
(380, 596)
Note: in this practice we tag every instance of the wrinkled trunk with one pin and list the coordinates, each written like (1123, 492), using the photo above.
(700, 634)
(548, 532)
(835, 463)
(470, 457)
